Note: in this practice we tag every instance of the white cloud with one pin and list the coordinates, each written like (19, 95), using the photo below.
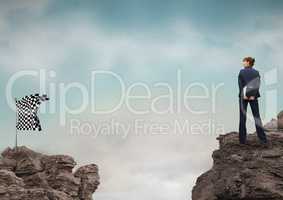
(51, 44)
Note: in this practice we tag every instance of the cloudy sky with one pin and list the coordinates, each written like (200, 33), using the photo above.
(153, 50)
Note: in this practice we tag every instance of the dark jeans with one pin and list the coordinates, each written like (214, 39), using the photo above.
(243, 104)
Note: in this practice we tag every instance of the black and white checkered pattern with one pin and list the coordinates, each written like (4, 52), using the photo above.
(27, 108)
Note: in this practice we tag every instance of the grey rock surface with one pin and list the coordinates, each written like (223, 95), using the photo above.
(28, 175)
(246, 172)
(280, 120)
(272, 125)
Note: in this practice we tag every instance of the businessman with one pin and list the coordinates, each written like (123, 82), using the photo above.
(249, 84)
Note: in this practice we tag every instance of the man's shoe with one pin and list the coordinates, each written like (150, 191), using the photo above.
(265, 144)
(243, 143)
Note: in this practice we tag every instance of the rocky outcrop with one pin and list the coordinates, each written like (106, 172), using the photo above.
(272, 125)
(28, 175)
(88, 180)
(280, 120)
(246, 172)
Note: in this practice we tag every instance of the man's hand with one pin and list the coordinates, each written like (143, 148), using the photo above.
(251, 98)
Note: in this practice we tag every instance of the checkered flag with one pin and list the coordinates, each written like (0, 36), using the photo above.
(27, 108)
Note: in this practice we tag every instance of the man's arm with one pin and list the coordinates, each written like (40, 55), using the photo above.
(258, 84)
(240, 83)
(256, 89)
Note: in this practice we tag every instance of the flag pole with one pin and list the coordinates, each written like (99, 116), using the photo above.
(16, 142)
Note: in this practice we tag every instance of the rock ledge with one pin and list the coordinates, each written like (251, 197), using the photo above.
(249, 172)
(28, 175)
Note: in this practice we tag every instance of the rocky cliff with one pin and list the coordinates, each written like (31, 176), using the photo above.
(28, 175)
(246, 172)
